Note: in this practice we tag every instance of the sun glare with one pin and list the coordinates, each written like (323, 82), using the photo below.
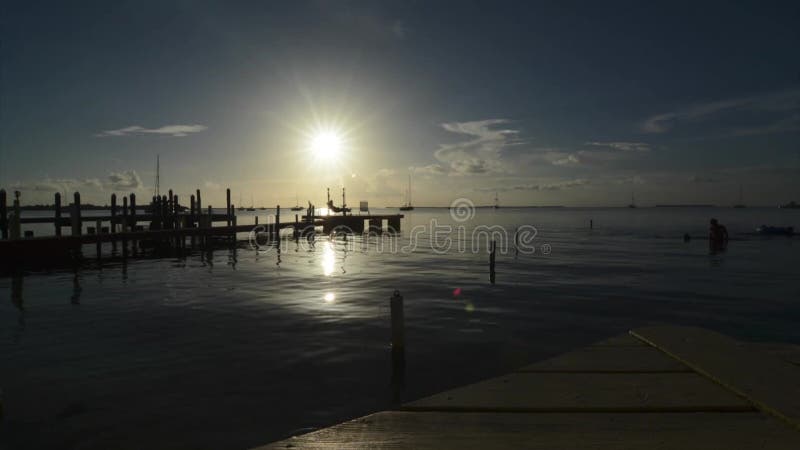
(326, 145)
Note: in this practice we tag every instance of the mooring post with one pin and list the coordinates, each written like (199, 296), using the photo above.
(16, 231)
(75, 215)
(98, 233)
(591, 224)
(398, 336)
(113, 226)
(133, 211)
(491, 261)
(57, 212)
(296, 227)
(190, 221)
(198, 205)
(175, 208)
(228, 205)
(277, 222)
(3, 215)
(124, 214)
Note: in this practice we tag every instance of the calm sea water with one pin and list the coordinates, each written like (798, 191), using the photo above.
(233, 348)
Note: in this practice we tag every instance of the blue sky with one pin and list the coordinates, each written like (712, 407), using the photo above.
(545, 103)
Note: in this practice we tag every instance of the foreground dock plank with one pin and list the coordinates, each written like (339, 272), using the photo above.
(607, 358)
(652, 388)
(769, 382)
(588, 392)
(706, 431)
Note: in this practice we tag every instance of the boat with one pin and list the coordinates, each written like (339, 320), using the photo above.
(741, 202)
(496, 201)
(407, 206)
(633, 202)
(240, 208)
(337, 209)
(791, 205)
(296, 206)
(775, 231)
(251, 208)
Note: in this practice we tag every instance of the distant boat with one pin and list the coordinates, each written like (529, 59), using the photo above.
(775, 231)
(496, 201)
(633, 202)
(790, 205)
(407, 206)
(741, 201)
(251, 208)
(296, 206)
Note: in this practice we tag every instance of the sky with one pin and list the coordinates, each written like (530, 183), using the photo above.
(539, 103)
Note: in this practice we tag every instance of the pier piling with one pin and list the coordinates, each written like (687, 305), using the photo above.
(3, 215)
(492, 252)
(75, 215)
(57, 206)
(112, 225)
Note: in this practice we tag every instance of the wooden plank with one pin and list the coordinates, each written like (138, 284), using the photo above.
(552, 431)
(586, 392)
(610, 359)
(621, 340)
(770, 383)
(786, 352)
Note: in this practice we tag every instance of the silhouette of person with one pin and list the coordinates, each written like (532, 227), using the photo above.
(717, 236)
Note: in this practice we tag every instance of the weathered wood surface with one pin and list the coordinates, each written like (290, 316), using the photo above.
(706, 431)
(587, 392)
(610, 359)
(770, 383)
(629, 392)
(786, 352)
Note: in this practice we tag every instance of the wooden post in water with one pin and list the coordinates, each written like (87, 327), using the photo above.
(398, 334)
(98, 233)
(198, 205)
(75, 215)
(124, 214)
(112, 227)
(57, 212)
(3, 215)
(228, 205)
(492, 251)
(133, 211)
(16, 230)
(190, 222)
(277, 222)
(175, 208)
(296, 227)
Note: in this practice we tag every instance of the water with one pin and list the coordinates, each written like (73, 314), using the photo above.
(234, 348)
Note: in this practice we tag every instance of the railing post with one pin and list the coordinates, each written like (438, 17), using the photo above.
(57, 206)
(3, 215)
(112, 226)
(75, 215)
(133, 211)
(228, 205)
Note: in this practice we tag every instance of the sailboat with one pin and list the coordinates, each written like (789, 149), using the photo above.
(633, 202)
(496, 201)
(251, 208)
(407, 206)
(297, 206)
(240, 208)
(741, 202)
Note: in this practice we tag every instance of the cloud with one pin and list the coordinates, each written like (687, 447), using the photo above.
(623, 146)
(554, 186)
(431, 169)
(167, 130)
(212, 185)
(481, 152)
(779, 101)
(126, 180)
(786, 125)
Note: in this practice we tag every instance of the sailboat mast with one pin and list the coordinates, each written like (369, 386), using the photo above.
(158, 176)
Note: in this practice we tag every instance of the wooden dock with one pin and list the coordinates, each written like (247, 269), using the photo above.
(164, 221)
(653, 388)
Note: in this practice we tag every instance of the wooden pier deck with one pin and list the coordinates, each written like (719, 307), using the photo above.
(653, 388)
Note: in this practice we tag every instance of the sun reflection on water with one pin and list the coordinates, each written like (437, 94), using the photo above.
(328, 259)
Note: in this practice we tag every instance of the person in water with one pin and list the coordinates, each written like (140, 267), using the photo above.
(717, 236)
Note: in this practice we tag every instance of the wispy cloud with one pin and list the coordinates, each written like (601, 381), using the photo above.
(786, 100)
(127, 180)
(552, 186)
(166, 130)
(623, 146)
(481, 152)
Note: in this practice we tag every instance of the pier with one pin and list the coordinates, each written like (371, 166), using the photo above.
(657, 387)
(165, 221)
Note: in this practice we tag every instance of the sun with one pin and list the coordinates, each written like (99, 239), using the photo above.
(326, 145)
